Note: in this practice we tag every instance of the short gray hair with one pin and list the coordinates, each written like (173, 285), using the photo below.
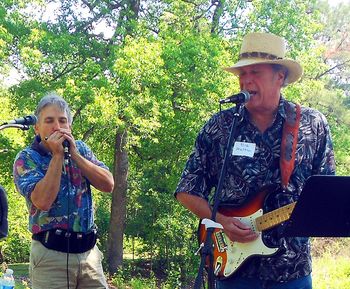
(281, 68)
(52, 98)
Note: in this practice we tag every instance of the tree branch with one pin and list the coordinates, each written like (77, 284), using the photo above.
(332, 68)
(66, 70)
(216, 16)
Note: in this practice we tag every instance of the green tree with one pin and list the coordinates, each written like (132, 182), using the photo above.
(141, 89)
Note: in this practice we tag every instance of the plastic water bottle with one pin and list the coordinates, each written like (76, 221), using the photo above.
(8, 282)
(1, 282)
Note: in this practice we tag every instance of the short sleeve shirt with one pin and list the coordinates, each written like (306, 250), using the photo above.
(246, 176)
(74, 197)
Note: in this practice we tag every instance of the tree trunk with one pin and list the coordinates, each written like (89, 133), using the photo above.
(121, 164)
(118, 208)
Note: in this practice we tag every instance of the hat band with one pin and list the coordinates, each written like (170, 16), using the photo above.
(263, 55)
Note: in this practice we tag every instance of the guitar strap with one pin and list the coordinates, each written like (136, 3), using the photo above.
(289, 141)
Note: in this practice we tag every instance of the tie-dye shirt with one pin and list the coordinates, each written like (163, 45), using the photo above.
(30, 167)
(246, 176)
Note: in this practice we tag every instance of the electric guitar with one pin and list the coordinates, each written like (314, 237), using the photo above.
(228, 256)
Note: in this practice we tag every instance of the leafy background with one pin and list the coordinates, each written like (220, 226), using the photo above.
(142, 77)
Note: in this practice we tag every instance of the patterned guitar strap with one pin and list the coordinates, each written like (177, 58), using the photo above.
(289, 141)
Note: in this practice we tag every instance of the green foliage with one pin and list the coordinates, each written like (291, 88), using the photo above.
(135, 283)
(296, 21)
(142, 283)
(14, 248)
(159, 77)
(331, 273)
(102, 213)
(341, 138)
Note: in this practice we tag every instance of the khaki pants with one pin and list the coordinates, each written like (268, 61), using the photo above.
(48, 269)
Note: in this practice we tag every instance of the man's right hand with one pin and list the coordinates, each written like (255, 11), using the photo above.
(235, 230)
(54, 143)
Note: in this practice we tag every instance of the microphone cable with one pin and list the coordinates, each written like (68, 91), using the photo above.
(67, 165)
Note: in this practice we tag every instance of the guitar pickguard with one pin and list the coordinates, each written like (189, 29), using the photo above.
(237, 252)
(228, 256)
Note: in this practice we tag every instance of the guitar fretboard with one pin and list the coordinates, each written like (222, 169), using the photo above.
(274, 217)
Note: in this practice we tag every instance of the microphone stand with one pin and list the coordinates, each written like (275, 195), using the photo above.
(15, 125)
(207, 249)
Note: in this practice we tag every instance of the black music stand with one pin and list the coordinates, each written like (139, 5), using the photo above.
(323, 208)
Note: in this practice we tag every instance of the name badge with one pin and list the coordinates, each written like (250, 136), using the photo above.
(245, 149)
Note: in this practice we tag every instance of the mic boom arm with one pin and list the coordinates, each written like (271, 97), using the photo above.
(14, 125)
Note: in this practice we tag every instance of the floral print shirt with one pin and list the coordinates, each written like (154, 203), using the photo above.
(30, 167)
(246, 176)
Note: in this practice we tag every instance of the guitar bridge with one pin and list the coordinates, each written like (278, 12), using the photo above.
(220, 241)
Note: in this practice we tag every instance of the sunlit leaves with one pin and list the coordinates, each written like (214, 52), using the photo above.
(159, 77)
(31, 57)
(295, 20)
(5, 39)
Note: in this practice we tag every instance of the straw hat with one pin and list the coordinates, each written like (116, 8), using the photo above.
(266, 48)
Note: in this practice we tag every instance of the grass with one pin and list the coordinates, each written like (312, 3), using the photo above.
(331, 272)
(331, 263)
(331, 268)
(21, 275)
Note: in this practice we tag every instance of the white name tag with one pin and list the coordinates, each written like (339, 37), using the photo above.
(245, 149)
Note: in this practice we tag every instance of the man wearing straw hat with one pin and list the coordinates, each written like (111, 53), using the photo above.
(264, 134)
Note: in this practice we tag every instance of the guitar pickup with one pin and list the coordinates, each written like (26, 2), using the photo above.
(220, 241)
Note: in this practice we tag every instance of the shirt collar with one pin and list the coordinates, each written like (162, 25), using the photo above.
(39, 147)
(281, 109)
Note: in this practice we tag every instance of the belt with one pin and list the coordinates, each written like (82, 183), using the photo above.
(65, 241)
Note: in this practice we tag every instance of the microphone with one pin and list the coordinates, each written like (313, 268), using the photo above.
(26, 120)
(241, 97)
(66, 146)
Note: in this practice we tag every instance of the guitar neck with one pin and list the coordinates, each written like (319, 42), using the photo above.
(274, 217)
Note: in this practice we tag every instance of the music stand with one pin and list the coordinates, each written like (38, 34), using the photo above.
(323, 208)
